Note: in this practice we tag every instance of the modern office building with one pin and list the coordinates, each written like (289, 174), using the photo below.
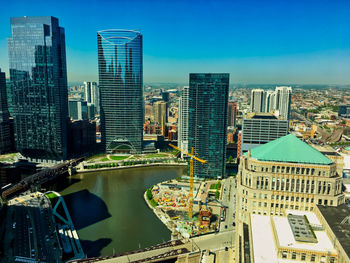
(257, 100)
(232, 114)
(121, 94)
(5, 133)
(160, 112)
(38, 74)
(286, 173)
(207, 122)
(183, 120)
(260, 128)
(78, 110)
(283, 96)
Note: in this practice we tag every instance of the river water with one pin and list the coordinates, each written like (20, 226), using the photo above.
(109, 212)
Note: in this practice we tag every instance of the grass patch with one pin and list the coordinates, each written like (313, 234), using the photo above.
(118, 158)
(51, 195)
(156, 155)
(104, 159)
(96, 156)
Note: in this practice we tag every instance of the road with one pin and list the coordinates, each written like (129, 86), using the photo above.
(229, 200)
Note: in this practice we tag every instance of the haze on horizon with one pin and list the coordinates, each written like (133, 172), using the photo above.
(299, 42)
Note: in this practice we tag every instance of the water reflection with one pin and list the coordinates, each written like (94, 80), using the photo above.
(109, 212)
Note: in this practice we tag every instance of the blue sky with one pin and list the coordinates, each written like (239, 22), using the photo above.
(255, 41)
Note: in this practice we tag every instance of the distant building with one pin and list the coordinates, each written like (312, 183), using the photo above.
(344, 111)
(183, 121)
(256, 101)
(92, 95)
(277, 102)
(207, 122)
(232, 114)
(165, 96)
(286, 173)
(37, 64)
(5, 129)
(78, 110)
(121, 89)
(270, 102)
(260, 128)
(160, 114)
(283, 96)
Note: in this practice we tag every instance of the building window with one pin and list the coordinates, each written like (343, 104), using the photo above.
(273, 169)
(294, 255)
(303, 256)
(323, 259)
(265, 204)
(313, 258)
(331, 202)
(265, 196)
(284, 254)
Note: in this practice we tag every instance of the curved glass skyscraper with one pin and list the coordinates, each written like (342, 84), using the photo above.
(120, 80)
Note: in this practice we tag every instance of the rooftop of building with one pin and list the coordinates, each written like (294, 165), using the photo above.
(261, 115)
(289, 149)
(264, 243)
(338, 218)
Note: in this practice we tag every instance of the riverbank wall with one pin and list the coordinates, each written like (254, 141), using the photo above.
(132, 166)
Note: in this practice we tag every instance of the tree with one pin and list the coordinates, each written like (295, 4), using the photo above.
(230, 159)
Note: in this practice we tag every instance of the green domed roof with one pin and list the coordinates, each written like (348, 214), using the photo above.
(289, 149)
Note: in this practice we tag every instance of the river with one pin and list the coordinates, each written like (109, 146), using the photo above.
(109, 212)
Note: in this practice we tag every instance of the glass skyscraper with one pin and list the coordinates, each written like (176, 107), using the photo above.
(38, 75)
(121, 89)
(207, 116)
(5, 137)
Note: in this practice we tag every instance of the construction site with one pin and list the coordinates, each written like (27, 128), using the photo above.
(171, 203)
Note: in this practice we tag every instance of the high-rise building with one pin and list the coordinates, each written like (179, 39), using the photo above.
(283, 96)
(260, 128)
(256, 101)
(232, 113)
(120, 81)
(270, 103)
(92, 95)
(38, 74)
(283, 174)
(160, 112)
(183, 120)
(78, 110)
(5, 135)
(207, 122)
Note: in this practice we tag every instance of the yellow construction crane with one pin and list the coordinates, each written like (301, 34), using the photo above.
(190, 205)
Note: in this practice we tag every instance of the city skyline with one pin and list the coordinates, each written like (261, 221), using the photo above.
(259, 42)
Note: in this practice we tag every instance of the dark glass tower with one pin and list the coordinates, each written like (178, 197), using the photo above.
(5, 137)
(38, 76)
(207, 117)
(120, 80)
